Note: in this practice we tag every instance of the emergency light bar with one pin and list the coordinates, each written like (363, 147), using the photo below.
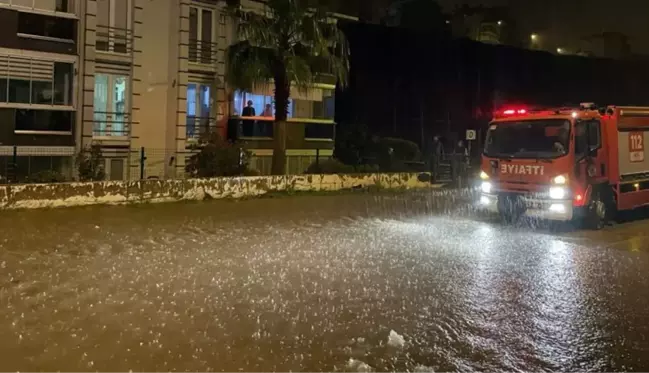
(514, 111)
(510, 112)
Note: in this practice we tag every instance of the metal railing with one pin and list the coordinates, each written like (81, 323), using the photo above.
(197, 127)
(203, 52)
(263, 128)
(114, 40)
(255, 127)
(111, 126)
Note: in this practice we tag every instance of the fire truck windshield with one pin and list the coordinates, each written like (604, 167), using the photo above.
(528, 139)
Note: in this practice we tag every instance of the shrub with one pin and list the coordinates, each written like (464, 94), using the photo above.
(217, 157)
(46, 177)
(366, 168)
(351, 143)
(251, 172)
(402, 150)
(329, 166)
(90, 163)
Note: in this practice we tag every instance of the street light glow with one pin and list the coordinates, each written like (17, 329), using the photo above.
(559, 50)
(534, 37)
(500, 23)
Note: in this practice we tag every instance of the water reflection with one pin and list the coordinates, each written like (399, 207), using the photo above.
(314, 283)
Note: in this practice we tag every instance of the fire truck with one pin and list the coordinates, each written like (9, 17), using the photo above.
(579, 164)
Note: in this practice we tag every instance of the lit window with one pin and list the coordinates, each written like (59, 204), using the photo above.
(198, 108)
(259, 103)
(111, 105)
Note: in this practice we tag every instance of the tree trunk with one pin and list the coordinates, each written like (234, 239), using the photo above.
(282, 93)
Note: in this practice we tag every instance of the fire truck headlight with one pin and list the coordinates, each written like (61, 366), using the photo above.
(557, 192)
(560, 180)
(486, 187)
(484, 176)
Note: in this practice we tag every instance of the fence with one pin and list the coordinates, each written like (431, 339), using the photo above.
(40, 166)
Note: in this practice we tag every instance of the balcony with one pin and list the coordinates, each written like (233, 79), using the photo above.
(302, 133)
(111, 127)
(203, 53)
(62, 8)
(199, 127)
(114, 40)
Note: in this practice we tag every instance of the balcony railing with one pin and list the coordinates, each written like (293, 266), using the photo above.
(114, 40)
(203, 52)
(111, 125)
(262, 128)
(199, 127)
(253, 127)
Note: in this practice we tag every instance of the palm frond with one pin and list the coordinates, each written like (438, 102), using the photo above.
(256, 28)
(249, 65)
(303, 42)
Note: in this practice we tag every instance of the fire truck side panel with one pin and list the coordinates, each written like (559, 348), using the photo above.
(633, 160)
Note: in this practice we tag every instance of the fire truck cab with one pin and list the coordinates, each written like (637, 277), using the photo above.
(567, 164)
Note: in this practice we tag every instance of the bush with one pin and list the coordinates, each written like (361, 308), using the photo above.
(90, 164)
(217, 157)
(366, 168)
(329, 166)
(251, 172)
(46, 177)
(402, 150)
(351, 143)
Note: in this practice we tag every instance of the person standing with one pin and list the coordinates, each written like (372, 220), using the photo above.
(268, 111)
(434, 155)
(459, 161)
(249, 127)
(248, 111)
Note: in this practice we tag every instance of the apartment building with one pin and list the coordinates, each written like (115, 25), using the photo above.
(38, 93)
(151, 81)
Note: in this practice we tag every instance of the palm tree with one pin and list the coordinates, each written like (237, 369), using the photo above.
(290, 44)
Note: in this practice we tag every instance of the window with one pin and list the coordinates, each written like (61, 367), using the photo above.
(581, 140)
(62, 83)
(111, 115)
(44, 121)
(594, 135)
(24, 80)
(113, 26)
(64, 6)
(198, 108)
(46, 26)
(259, 102)
(201, 36)
(325, 108)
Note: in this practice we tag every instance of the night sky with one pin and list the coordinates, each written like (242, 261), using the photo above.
(561, 23)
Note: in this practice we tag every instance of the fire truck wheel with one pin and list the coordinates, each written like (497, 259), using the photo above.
(596, 213)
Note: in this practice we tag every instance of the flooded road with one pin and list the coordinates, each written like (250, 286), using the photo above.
(348, 282)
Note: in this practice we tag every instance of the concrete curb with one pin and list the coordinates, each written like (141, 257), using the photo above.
(33, 196)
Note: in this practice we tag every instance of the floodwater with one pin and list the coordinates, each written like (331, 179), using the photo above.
(348, 282)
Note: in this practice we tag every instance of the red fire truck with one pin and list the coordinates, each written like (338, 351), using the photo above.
(567, 164)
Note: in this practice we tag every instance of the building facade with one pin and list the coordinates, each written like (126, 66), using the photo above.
(38, 86)
(143, 80)
(153, 82)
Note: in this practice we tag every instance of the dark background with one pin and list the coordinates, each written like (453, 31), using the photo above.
(413, 84)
